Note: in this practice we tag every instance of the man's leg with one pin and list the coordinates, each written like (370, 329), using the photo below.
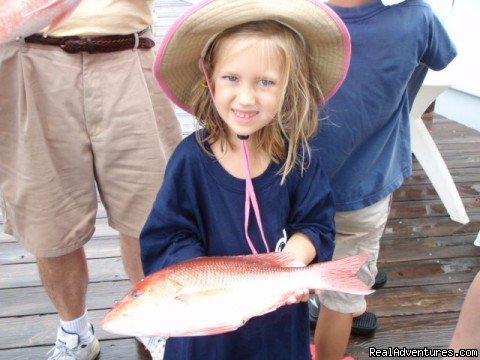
(65, 278)
(332, 334)
(130, 248)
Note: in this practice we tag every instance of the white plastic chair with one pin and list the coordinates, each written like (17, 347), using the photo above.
(427, 154)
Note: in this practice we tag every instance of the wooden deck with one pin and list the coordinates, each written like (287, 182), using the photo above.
(430, 261)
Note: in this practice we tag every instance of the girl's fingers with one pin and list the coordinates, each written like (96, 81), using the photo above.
(299, 296)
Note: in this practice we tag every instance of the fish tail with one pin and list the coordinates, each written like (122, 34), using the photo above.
(340, 275)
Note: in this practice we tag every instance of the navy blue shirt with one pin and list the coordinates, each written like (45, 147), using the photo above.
(199, 211)
(365, 140)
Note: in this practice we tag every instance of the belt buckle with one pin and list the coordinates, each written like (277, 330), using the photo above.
(71, 44)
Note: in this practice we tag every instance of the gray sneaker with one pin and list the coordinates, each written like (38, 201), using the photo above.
(155, 345)
(67, 347)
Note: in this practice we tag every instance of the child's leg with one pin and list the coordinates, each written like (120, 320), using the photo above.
(332, 334)
(357, 232)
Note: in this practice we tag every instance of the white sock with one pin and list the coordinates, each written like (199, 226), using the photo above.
(79, 326)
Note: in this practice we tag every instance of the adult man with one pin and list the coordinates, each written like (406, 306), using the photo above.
(81, 113)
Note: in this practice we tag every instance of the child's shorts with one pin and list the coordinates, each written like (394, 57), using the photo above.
(70, 123)
(357, 232)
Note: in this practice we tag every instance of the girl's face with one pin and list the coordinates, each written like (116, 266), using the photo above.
(248, 84)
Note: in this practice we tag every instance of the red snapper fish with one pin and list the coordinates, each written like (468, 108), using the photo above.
(213, 295)
(21, 18)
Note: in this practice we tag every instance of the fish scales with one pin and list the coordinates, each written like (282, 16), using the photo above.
(232, 272)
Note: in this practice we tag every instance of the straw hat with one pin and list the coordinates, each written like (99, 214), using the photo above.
(176, 65)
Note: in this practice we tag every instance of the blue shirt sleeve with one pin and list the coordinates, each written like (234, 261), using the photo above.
(313, 210)
(170, 234)
(439, 49)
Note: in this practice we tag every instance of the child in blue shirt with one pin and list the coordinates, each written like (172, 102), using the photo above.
(365, 143)
(252, 74)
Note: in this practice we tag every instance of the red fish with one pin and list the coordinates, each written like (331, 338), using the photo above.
(213, 295)
(20, 18)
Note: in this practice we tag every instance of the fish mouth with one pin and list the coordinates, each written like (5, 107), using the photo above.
(116, 323)
(127, 325)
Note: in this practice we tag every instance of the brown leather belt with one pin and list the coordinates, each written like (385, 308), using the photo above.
(102, 44)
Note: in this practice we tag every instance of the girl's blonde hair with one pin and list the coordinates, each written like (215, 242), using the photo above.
(286, 138)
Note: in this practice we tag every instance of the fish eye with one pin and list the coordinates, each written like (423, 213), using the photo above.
(134, 293)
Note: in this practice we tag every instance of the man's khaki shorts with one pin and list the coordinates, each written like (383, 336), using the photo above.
(69, 123)
(358, 232)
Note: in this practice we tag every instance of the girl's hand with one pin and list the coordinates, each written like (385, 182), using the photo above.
(301, 295)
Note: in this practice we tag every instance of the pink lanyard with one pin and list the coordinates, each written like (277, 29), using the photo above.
(251, 197)
(249, 190)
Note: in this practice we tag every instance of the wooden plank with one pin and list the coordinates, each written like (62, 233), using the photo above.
(429, 208)
(415, 331)
(110, 350)
(37, 330)
(426, 226)
(431, 272)
(5, 237)
(21, 275)
(458, 162)
(466, 175)
(423, 248)
(34, 300)
(418, 300)
(454, 150)
(442, 136)
(105, 247)
(447, 130)
(439, 127)
(441, 139)
(469, 192)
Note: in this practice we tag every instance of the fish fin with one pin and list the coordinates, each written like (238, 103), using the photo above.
(273, 259)
(340, 275)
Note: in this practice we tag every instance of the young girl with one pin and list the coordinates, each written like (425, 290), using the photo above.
(252, 73)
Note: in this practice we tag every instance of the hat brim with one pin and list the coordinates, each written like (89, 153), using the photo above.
(176, 64)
